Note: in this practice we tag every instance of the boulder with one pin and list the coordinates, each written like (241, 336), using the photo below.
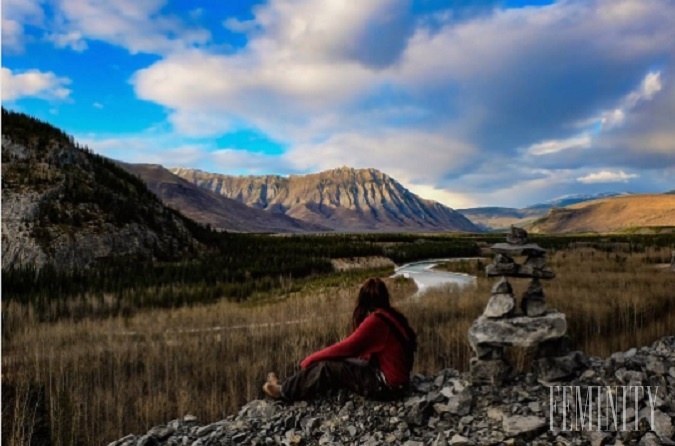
(521, 331)
(500, 305)
(532, 306)
(561, 367)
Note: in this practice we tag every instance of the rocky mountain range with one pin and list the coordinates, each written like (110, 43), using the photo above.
(67, 207)
(343, 199)
(209, 208)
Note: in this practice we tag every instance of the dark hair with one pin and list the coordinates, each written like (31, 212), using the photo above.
(374, 295)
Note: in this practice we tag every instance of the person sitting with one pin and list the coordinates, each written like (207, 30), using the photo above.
(374, 361)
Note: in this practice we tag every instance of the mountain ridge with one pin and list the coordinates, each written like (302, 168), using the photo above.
(209, 208)
(344, 199)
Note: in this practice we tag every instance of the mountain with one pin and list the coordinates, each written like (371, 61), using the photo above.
(67, 207)
(567, 200)
(497, 218)
(344, 199)
(610, 214)
(206, 207)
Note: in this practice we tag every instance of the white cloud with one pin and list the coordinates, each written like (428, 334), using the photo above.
(312, 77)
(16, 15)
(138, 26)
(607, 176)
(553, 146)
(33, 83)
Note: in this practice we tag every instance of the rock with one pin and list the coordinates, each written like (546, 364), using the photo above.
(493, 372)
(517, 236)
(650, 439)
(502, 287)
(533, 307)
(459, 440)
(560, 368)
(663, 425)
(531, 249)
(499, 305)
(515, 270)
(536, 262)
(444, 409)
(534, 290)
(520, 331)
(525, 426)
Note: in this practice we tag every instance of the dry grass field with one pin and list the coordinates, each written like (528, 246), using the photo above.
(91, 381)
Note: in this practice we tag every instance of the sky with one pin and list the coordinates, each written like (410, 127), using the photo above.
(471, 103)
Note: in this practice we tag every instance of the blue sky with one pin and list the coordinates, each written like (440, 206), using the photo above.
(472, 103)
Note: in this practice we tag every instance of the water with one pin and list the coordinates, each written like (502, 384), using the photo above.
(426, 277)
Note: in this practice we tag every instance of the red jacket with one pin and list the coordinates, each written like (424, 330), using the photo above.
(372, 338)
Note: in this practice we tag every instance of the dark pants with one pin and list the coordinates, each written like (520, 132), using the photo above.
(322, 376)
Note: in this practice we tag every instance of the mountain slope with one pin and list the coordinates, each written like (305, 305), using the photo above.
(64, 206)
(344, 199)
(206, 207)
(496, 218)
(610, 214)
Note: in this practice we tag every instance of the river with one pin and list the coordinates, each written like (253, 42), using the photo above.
(426, 277)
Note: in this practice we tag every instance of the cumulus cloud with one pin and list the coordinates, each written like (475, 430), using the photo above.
(607, 176)
(16, 15)
(553, 88)
(33, 83)
(136, 26)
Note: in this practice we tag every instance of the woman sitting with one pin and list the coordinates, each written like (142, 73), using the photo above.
(374, 361)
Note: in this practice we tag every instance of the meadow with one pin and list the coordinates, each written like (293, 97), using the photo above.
(90, 380)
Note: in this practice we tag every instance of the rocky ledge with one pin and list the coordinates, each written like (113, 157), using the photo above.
(446, 409)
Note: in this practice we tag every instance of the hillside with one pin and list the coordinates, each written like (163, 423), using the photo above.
(610, 214)
(498, 218)
(344, 199)
(206, 207)
(66, 207)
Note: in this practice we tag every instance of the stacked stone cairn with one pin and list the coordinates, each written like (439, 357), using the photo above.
(535, 326)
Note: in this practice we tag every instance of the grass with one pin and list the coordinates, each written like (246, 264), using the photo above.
(104, 378)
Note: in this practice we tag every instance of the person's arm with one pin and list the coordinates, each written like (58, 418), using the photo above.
(370, 337)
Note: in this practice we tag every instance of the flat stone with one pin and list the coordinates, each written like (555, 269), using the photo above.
(458, 440)
(522, 331)
(500, 305)
(527, 426)
(515, 270)
(530, 249)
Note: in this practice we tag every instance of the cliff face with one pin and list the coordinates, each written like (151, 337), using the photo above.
(64, 206)
(343, 199)
(207, 207)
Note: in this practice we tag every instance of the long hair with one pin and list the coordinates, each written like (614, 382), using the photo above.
(374, 295)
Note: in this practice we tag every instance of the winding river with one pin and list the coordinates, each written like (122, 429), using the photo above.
(426, 277)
